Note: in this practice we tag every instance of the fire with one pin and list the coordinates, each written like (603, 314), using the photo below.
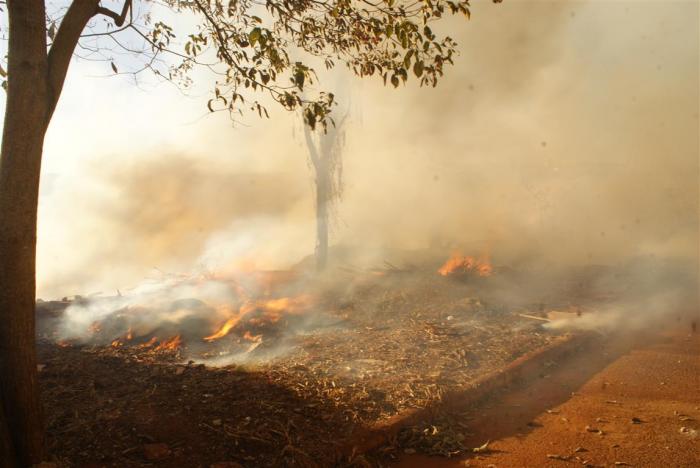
(224, 329)
(458, 263)
(256, 340)
(170, 344)
(271, 309)
(118, 342)
(250, 337)
(149, 343)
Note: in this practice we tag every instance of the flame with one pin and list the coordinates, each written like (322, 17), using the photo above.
(224, 329)
(458, 263)
(256, 340)
(272, 310)
(250, 337)
(118, 342)
(149, 343)
(170, 344)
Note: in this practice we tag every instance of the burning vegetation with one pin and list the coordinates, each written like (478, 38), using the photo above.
(449, 272)
(316, 359)
(458, 264)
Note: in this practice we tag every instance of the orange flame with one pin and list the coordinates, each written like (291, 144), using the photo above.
(225, 328)
(170, 344)
(250, 337)
(458, 263)
(149, 343)
(118, 342)
(272, 310)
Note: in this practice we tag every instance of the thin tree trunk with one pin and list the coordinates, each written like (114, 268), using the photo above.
(322, 197)
(26, 115)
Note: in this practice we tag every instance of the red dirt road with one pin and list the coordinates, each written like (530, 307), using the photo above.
(619, 404)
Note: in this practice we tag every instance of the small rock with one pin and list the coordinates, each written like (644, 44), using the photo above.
(179, 370)
(637, 421)
(156, 451)
(226, 464)
(409, 451)
(216, 422)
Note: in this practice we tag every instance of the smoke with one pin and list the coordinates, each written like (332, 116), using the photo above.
(565, 134)
(568, 133)
(645, 293)
(174, 214)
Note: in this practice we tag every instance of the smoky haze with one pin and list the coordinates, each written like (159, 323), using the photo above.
(566, 133)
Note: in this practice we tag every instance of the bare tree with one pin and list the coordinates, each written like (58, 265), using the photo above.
(327, 163)
(245, 43)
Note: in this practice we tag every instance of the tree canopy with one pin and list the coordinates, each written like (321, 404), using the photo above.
(265, 46)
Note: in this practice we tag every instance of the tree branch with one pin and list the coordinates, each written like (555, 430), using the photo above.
(77, 17)
(118, 18)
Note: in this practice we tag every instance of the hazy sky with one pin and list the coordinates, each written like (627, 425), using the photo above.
(566, 130)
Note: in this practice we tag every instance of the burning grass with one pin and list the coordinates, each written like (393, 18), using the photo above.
(306, 371)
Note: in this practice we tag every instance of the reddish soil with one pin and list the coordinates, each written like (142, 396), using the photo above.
(625, 403)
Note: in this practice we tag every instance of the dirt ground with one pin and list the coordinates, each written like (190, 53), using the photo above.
(622, 404)
(394, 344)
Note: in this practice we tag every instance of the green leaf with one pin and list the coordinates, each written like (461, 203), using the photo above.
(299, 79)
(407, 58)
(418, 68)
(254, 36)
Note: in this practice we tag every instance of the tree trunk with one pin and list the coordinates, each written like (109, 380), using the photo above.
(322, 197)
(8, 457)
(26, 119)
